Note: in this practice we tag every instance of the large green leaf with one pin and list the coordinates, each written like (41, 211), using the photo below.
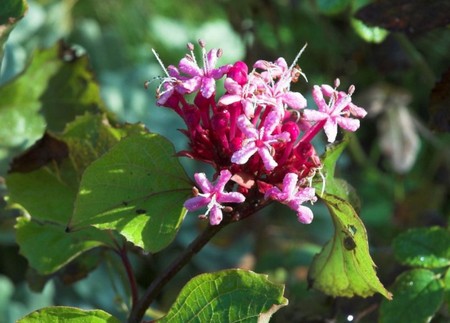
(137, 188)
(418, 296)
(48, 193)
(69, 315)
(344, 266)
(11, 11)
(48, 94)
(48, 247)
(227, 296)
(423, 247)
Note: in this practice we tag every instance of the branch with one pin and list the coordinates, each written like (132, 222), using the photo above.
(138, 311)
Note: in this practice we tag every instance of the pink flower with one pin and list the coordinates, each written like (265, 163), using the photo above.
(202, 78)
(259, 140)
(293, 196)
(240, 93)
(336, 112)
(213, 196)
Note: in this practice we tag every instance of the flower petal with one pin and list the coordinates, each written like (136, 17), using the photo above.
(231, 197)
(269, 162)
(216, 215)
(190, 67)
(203, 182)
(243, 155)
(196, 203)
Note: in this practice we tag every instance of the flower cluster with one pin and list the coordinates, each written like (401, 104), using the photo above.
(257, 135)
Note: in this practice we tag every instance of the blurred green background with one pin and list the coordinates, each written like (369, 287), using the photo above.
(398, 162)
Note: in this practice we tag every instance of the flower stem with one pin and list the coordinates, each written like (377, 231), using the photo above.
(129, 270)
(138, 311)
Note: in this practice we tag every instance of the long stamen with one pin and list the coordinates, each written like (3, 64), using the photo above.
(160, 62)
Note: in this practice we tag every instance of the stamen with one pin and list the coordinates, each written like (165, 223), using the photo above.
(297, 57)
(160, 62)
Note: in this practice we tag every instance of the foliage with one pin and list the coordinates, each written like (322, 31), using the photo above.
(90, 195)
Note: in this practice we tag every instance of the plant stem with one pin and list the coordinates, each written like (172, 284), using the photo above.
(129, 270)
(138, 311)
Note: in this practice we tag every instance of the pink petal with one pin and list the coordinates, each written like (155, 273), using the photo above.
(314, 115)
(216, 215)
(269, 162)
(247, 127)
(330, 129)
(219, 72)
(243, 155)
(294, 99)
(196, 203)
(348, 123)
(231, 197)
(271, 122)
(327, 90)
(318, 98)
(223, 179)
(208, 87)
(228, 99)
(193, 84)
(203, 182)
(304, 215)
(289, 183)
(211, 59)
(189, 67)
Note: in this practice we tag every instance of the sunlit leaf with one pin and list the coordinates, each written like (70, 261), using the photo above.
(137, 188)
(344, 266)
(369, 34)
(227, 296)
(48, 193)
(48, 247)
(69, 315)
(55, 88)
(418, 296)
(424, 247)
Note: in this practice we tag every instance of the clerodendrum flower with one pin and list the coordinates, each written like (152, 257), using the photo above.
(336, 112)
(294, 196)
(259, 140)
(213, 195)
(258, 133)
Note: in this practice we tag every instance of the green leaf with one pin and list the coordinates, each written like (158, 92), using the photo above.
(68, 314)
(344, 266)
(11, 11)
(48, 193)
(418, 296)
(137, 188)
(423, 247)
(48, 247)
(49, 93)
(227, 296)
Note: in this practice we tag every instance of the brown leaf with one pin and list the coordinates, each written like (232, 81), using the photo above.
(440, 104)
(45, 150)
(405, 15)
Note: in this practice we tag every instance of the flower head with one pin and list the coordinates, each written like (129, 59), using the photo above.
(259, 140)
(213, 195)
(336, 112)
(203, 79)
(294, 196)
